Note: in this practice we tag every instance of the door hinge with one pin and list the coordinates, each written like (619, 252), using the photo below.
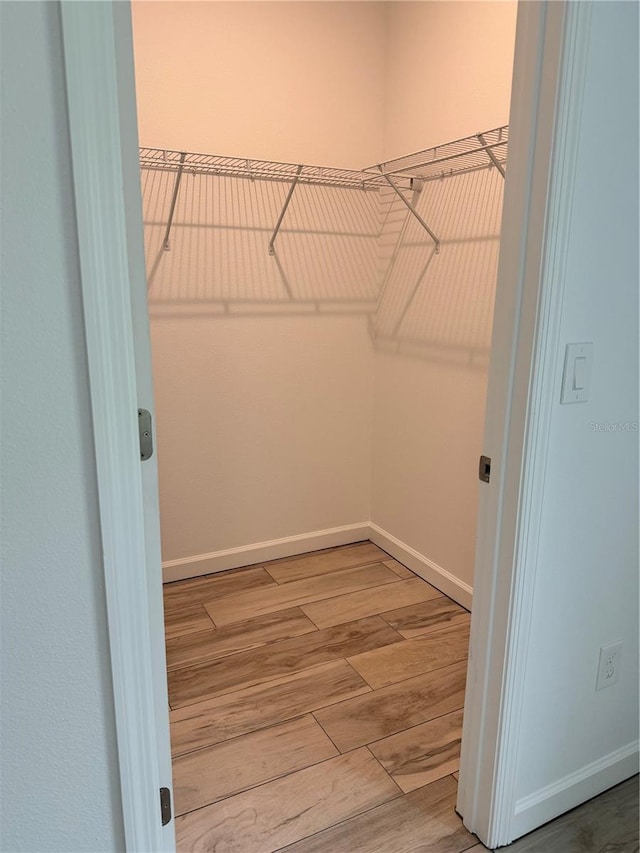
(484, 469)
(146, 434)
(165, 805)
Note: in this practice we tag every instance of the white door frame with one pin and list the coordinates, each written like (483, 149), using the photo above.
(550, 53)
(101, 128)
(546, 107)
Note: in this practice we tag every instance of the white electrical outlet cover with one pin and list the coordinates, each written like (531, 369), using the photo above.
(609, 665)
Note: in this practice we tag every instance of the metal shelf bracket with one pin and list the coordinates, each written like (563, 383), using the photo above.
(166, 245)
(272, 241)
(414, 212)
(490, 154)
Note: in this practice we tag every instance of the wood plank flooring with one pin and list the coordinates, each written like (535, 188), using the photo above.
(398, 661)
(320, 562)
(367, 602)
(293, 722)
(246, 605)
(376, 715)
(205, 723)
(424, 820)
(420, 755)
(266, 818)
(210, 643)
(208, 775)
(190, 684)
(316, 707)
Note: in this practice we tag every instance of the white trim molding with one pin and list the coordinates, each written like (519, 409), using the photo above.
(422, 566)
(92, 94)
(304, 543)
(261, 552)
(576, 788)
(551, 54)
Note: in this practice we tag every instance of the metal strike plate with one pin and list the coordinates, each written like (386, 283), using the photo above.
(165, 805)
(146, 434)
(484, 469)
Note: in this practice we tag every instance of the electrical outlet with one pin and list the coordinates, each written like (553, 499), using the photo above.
(609, 665)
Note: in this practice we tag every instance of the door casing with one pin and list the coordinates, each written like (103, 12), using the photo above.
(552, 42)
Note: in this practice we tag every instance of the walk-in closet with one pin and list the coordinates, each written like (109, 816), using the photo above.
(322, 188)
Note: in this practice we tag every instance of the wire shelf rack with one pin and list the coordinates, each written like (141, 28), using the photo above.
(482, 150)
(254, 170)
(486, 150)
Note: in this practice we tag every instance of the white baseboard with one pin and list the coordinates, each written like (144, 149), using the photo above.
(546, 804)
(261, 552)
(422, 566)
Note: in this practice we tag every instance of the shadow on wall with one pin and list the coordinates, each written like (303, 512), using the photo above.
(339, 251)
(439, 306)
(325, 252)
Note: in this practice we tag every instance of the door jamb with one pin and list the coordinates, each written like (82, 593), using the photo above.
(90, 57)
(551, 57)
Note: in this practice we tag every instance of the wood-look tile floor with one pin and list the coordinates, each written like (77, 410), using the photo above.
(316, 707)
(316, 704)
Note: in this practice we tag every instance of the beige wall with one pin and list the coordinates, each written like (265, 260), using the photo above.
(449, 71)
(60, 783)
(264, 428)
(340, 84)
(264, 422)
(270, 80)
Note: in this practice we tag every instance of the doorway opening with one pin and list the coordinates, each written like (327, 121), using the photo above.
(549, 75)
(320, 357)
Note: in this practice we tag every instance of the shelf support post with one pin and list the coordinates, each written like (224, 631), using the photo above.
(413, 211)
(166, 245)
(491, 155)
(272, 241)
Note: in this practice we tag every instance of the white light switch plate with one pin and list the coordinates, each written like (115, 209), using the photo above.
(577, 373)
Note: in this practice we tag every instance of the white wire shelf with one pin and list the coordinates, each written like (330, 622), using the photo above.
(254, 170)
(482, 150)
(485, 150)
